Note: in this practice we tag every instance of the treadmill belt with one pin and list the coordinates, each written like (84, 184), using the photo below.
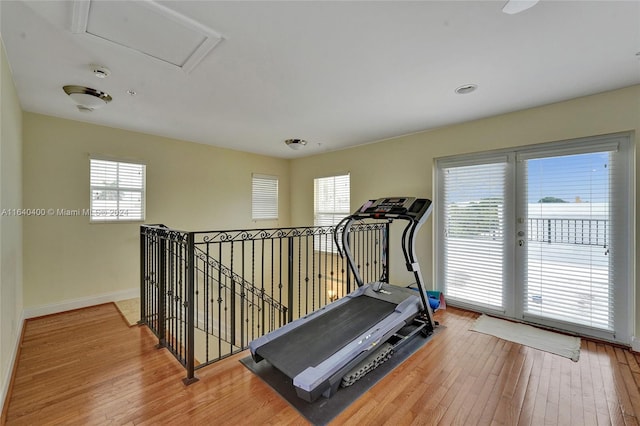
(318, 339)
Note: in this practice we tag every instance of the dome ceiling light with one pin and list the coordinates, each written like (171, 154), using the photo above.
(295, 143)
(86, 98)
(466, 88)
(100, 71)
(516, 6)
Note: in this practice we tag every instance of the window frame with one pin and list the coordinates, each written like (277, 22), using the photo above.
(255, 177)
(118, 217)
(336, 215)
(623, 215)
(496, 160)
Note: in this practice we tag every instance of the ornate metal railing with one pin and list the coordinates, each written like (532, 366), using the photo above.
(205, 295)
(590, 232)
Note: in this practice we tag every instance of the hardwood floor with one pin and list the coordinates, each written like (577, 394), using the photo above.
(87, 367)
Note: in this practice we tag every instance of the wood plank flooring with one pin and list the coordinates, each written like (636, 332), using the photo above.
(87, 367)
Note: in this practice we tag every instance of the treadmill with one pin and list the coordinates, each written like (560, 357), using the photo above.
(340, 342)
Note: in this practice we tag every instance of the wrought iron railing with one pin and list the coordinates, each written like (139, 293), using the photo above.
(205, 295)
(590, 232)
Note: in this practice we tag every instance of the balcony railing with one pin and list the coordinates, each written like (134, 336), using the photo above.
(205, 295)
(590, 232)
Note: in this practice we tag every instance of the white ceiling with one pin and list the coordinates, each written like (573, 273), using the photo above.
(337, 74)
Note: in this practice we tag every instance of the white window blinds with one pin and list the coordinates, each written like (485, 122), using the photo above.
(264, 196)
(117, 191)
(472, 215)
(567, 274)
(541, 235)
(332, 202)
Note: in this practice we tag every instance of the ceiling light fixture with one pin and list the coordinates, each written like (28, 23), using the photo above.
(466, 88)
(86, 97)
(100, 71)
(516, 6)
(295, 143)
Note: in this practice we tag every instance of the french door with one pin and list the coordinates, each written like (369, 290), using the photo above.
(539, 234)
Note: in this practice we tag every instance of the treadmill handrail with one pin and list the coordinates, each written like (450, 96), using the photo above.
(408, 246)
(346, 248)
(335, 235)
(347, 251)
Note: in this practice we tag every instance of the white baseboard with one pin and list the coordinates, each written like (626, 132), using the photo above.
(6, 380)
(635, 344)
(82, 302)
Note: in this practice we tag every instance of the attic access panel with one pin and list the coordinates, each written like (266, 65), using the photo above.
(146, 27)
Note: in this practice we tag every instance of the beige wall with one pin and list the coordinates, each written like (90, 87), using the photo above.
(10, 226)
(404, 165)
(189, 186)
(193, 186)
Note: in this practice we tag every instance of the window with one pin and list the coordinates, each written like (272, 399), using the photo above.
(332, 202)
(472, 206)
(540, 234)
(568, 267)
(264, 196)
(117, 191)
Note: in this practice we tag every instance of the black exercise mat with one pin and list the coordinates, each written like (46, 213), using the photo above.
(323, 410)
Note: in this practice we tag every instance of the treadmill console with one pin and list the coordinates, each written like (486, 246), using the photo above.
(392, 207)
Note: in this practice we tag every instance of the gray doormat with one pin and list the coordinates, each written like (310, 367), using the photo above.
(323, 410)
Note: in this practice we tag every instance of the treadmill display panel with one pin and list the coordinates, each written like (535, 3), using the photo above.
(387, 207)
